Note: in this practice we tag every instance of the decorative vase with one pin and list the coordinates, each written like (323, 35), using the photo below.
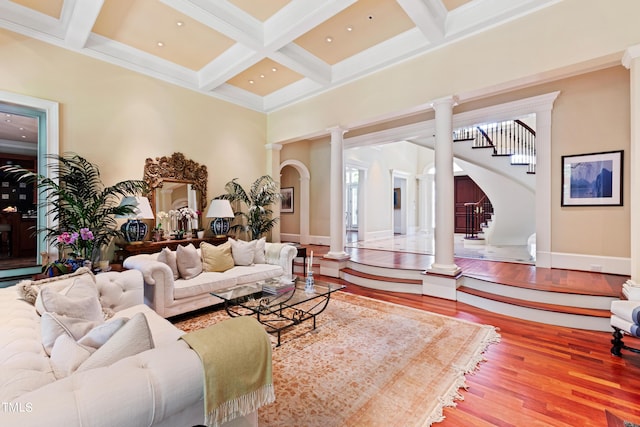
(201, 234)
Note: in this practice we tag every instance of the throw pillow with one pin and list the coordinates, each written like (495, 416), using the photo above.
(82, 307)
(81, 287)
(28, 289)
(243, 252)
(67, 355)
(133, 338)
(167, 256)
(99, 335)
(259, 256)
(216, 258)
(53, 325)
(189, 263)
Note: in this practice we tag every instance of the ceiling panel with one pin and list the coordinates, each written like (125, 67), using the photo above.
(265, 77)
(361, 26)
(14, 127)
(260, 9)
(52, 8)
(454, 4)
(157, 29)
(209, 45)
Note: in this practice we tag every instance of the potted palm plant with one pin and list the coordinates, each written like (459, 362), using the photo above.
(82, 208)
(257, 221)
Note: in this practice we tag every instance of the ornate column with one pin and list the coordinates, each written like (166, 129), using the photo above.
(631, 60)
(336, 191)
(273, 169)
(444, 263)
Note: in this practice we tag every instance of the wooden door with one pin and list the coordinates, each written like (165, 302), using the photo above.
(465, 191)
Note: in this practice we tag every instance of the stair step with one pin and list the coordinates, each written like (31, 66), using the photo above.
(369, 276)
(592, 312)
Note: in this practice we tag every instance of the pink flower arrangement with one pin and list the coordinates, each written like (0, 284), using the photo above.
(81, 243)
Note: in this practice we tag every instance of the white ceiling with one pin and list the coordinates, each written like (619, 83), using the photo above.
(259, 54)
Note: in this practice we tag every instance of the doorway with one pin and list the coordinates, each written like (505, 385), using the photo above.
(28, 133)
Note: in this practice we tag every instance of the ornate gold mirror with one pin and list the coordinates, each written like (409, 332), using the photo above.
(176, 182)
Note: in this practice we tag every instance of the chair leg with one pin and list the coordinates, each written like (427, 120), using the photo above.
(617, 342)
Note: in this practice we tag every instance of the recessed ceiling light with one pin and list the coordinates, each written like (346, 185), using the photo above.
(8, 120)
(179, 23)
(20, 128)
(160, 44)
(349, 28)
(328, 39)
(251, 82)
(24, 136)
(274, 69)
(262, 76)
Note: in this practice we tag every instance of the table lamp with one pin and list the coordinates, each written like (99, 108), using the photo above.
(135, 230)
(220, 210)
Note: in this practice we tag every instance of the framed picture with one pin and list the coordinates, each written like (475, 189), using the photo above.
(592, 179)
(286, 200)
(396, 198)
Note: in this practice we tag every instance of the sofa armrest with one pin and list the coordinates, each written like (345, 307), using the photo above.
(120, 290)
(287, 254)
(158, 281)
(139, 390)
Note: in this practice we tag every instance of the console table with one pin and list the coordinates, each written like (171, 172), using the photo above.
(129, 249)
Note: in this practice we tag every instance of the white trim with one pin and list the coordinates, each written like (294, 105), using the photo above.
(595, 263)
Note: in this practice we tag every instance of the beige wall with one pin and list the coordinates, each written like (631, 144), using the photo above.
(117, 118)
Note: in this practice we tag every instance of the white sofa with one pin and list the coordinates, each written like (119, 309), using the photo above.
(170, 295)
(162, 386)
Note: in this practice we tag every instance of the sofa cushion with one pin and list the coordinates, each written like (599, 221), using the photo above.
(132, 338)
(79, 299)
(216, 258)
(29, 289)
(53, 325)
(254, 273)
(203, 284)
(67, 355)
(242, 252)
(189, 263)
(169, 257)
(100, 334)
(259, 256)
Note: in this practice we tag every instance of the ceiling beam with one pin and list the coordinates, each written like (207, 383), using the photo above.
(428, 15)
(83, 18)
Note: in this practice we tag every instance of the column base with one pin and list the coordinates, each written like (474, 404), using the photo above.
(331, 266)
(340, 256)
(444, 269)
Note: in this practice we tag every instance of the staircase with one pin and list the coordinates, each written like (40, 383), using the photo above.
(511, 138)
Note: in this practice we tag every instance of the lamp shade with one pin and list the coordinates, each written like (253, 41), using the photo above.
(142, 207)
(220, 208)
(133, 229)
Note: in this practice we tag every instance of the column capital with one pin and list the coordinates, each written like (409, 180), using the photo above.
(631, 53)
(337, 130)
(450, 101)
(274, 147)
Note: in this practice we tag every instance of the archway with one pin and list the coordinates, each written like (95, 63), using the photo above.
(304, 198)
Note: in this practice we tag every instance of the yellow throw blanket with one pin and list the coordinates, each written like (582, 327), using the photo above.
(236, 357)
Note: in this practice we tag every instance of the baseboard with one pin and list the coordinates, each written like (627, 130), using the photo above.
(595, 263)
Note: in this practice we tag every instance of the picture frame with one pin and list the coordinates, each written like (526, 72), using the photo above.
(286, 200)
(593, 179)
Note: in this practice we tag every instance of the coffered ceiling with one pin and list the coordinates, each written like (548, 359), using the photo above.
(261, 54)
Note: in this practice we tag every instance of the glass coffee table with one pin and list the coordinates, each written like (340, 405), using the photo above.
(280, 310)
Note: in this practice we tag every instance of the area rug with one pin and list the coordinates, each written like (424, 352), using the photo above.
(369, 363)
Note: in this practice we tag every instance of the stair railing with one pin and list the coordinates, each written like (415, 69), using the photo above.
(512, 138)
(477, 214)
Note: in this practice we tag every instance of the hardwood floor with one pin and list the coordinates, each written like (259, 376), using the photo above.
(538, 375)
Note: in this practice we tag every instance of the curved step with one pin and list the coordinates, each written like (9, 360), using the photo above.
(386, 283)
(594, 319)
